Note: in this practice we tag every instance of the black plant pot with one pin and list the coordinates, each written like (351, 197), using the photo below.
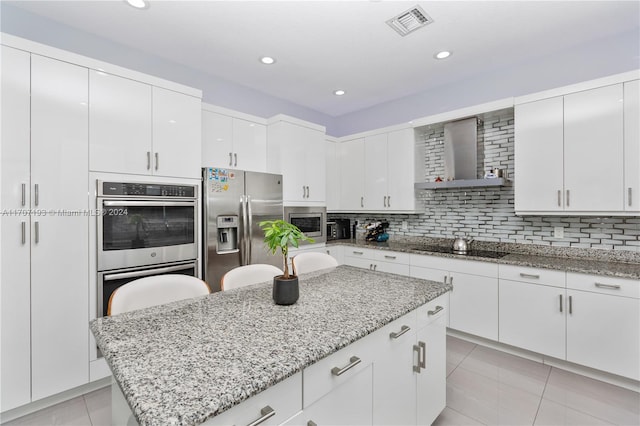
(285, 290)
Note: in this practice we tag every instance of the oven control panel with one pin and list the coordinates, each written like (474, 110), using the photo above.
(145, 190)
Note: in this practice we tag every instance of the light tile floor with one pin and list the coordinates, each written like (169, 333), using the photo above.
(484, 386)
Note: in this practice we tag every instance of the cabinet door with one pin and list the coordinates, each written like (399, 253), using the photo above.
(348, 404)
(59, 291)
(474, 305)
(603, 332)
(337, 252)
(15, 310)
(400, 170)
(177, 132)
(375, 172)
(333, 176)
(291, 160)
(431, 393)
(351, 161)
(217, 140)
(249, 145)
(632, 145)
(532, 317)
(315, 168)
(121, 127)
(593, 150)
(539, 155)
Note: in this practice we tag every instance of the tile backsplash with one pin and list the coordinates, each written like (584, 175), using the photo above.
(487, 214)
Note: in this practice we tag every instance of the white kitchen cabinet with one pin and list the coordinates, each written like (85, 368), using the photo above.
(570, 153)
(401, 171)
(351, 165)
(337, 252)
(375, 172)
(603, 323)
(333, 176)
(632, 146)
(232, 142)
(377, 260)
(296, 150)
(140, 129)
(176, 134)
(46, 337)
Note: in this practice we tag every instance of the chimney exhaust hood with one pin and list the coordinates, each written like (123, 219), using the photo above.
(461, 158)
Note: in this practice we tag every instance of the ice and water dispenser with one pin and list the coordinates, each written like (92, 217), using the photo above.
(227, 234)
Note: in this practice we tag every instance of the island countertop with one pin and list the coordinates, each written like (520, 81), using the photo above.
(185, 362)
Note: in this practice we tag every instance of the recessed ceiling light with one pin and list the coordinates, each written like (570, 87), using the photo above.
(138, 4)
(267, 60)
(442, 55)
(339, 92)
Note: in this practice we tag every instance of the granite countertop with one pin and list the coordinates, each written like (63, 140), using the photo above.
(565, 262)
(185, 362)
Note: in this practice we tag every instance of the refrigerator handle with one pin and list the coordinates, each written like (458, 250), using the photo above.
(250, 226)
(244, 249)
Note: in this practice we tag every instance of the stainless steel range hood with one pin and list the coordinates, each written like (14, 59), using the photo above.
(461, 158)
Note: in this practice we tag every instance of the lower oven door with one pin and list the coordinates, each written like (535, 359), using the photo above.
(145, 232)
(108, 282)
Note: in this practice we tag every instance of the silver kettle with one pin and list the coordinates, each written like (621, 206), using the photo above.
(461, 245)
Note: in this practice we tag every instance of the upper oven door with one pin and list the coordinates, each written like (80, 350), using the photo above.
(144, 232)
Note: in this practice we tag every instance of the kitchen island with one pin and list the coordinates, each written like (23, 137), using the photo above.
(186, 362)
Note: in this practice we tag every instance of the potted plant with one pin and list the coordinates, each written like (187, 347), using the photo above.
(281, 234)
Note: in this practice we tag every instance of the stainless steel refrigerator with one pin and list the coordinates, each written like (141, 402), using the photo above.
(234, 203)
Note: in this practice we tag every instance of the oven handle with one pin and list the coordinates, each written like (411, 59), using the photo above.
(145, 273)
(107, 203)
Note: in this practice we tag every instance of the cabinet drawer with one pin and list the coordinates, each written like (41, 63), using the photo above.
(436, 310)
(325, 375)
(472, 267)
(392, 257)
(532, 275)
(392, 268)
(285, 399)
(437, 275)
(358, 262)
(359, 252)
(606, 285)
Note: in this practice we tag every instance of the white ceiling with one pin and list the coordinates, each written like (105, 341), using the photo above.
(324, 45)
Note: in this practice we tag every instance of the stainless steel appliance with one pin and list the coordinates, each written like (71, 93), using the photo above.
(234, 203)
(339, 229)
(310, 220)
(145, 224)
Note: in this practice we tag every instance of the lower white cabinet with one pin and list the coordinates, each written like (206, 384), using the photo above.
(337, 252)
(377, 260)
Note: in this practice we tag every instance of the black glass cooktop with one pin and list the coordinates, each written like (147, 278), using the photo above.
(470, 253)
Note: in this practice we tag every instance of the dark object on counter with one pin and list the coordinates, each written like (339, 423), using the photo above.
(339, 229)
(376, 229)
(285, 290)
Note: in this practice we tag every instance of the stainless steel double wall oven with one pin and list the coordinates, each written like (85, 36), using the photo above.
(144, 229)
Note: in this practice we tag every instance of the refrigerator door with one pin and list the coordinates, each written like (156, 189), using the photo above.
(223, 192)
(264, 196)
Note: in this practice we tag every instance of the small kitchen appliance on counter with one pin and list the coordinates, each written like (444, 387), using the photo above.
(339, 229)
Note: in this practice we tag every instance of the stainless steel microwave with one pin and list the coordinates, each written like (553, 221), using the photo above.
(312, 221)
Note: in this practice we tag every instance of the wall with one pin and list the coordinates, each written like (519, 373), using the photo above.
(488, 214)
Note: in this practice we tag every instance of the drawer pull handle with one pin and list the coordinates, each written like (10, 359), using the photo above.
(568, 198)
(571, 305)
(24, 233)
(609, 286)
(389, 257)
(148, 160)
(630, 194)
(361, 201)
(559, 198)
(267, 412)
(423, 359)
(231, 159)
(24, 192)
(435, 311)
(403, 329)
(357, 252)
(157, 156)
(37, 194)
(560, 303)
(235, 160)
(416, 368)
(353, 361)
(533, 276)
(37, 229)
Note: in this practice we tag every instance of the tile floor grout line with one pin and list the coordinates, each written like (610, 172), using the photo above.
(542, 397)
(86, 407)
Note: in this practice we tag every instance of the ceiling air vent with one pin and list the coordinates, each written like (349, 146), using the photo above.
(409, 21)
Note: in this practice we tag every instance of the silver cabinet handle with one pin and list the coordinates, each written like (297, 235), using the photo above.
(24, 233)
(560, 303)
(375, 267)
(423, 359)
(157, 156)
(416, 368)
(450, 280)
(304, 192)
(388, 200)
(307, 192)
(396, 334)
(357, 252)
(386, 256)
(609, 286)
(24, 194)
(148, 160)
(231, 159)
(571, 304)
(353, 361)
(371, 266)
(533, 276)
(37, 229)
(559, 198)
(567, 198)
(384, 201)
(435, 311)
(235, 160)
(267, 412)
(630, 191)
(36, 194)
(361, 201)
(445, 280)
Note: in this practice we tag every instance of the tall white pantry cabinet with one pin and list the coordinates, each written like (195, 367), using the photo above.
(44, 251)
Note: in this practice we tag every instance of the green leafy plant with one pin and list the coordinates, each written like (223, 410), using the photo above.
(281, 234)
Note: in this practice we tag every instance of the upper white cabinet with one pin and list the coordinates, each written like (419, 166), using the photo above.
(233, 142)
(44, 315)
(378, 172)
(333, 176)
(296, 149)
(137, 128)
(574, 154)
